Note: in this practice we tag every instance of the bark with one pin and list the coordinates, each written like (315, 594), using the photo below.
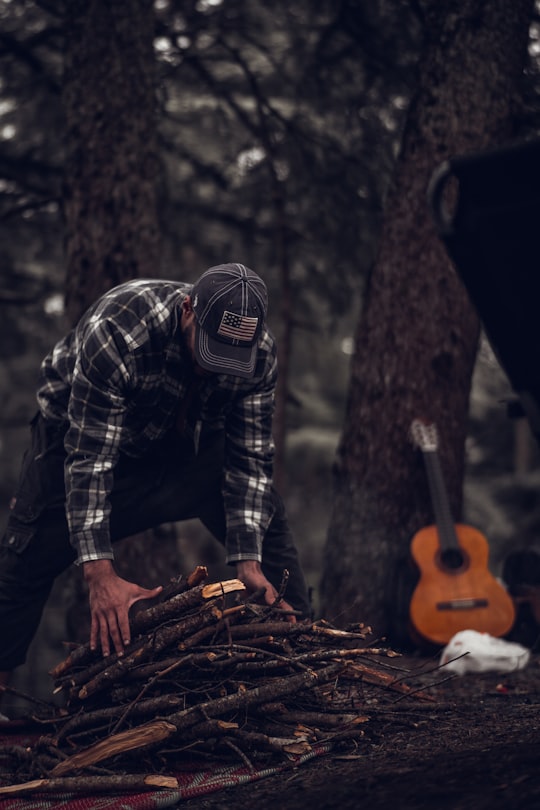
(156, 731)
(161, 639)
(162, 632)
(162, 704)
(144, 619)
(111, 167)
(93, 785)
(416, 340)
(109, 200)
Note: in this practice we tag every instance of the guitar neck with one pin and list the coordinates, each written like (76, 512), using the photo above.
(439, 498)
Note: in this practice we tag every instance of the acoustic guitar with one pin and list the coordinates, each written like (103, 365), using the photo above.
(455, 590)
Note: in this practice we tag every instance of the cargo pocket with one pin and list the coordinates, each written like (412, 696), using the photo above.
(18, 535)
(41, 483)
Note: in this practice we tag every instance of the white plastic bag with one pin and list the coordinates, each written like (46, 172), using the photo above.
(481, 652)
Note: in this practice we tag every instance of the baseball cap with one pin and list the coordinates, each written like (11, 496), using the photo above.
(230, 304)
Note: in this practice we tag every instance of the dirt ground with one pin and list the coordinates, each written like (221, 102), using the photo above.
(475, 745)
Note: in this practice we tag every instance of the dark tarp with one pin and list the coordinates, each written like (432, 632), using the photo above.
(486, 209)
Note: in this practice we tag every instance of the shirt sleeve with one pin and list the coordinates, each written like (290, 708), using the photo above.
(96, 412)
(249, 454)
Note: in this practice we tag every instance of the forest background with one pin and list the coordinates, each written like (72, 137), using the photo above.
(160, 138)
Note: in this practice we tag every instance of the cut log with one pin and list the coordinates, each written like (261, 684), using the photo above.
(139, 737)
(215, 589)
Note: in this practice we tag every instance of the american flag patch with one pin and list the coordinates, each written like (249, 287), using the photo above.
(237, 327)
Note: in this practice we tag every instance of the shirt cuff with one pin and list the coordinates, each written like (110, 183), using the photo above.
(84, 558)
(92, 544)
(231, 558)
(246, 545)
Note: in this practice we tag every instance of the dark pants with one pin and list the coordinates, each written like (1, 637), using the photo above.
(170, 485)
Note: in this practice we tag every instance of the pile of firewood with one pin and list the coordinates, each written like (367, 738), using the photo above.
(209, 675)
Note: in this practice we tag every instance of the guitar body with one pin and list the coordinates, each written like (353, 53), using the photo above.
(456, 590)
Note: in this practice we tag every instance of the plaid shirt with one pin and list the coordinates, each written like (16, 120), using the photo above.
(119, 378)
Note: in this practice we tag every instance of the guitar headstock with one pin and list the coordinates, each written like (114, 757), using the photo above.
(424, 436)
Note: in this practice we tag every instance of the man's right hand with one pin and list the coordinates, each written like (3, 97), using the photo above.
(110, 598)
(250, 573)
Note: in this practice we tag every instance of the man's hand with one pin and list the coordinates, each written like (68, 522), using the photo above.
(250, 573)
(110, 599)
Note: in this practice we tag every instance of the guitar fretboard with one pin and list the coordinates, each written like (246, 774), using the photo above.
(441, 506)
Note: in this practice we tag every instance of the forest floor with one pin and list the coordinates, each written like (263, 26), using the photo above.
(474, 744)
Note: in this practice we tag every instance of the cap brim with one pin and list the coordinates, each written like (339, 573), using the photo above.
(224, 358)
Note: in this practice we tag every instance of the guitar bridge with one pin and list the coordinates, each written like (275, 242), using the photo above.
(462, 604)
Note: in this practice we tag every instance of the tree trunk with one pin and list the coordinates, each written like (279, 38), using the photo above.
(112, 231)
(417, 337)
(111, 166)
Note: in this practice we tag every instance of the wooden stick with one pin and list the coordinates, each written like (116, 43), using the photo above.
(158, 614)
(148, 707)
(162, 638)
(159, 730)
(83, 654)
(125, 783)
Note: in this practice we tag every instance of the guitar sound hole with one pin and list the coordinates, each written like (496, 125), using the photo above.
(452, 559)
